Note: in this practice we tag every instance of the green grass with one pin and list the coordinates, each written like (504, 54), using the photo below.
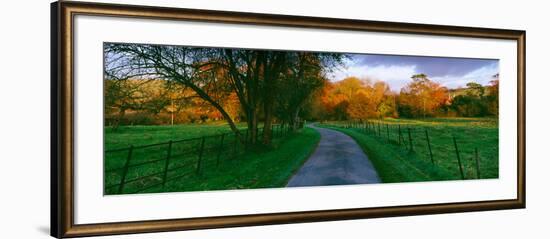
(124, 136)
(267, 167)
(253, 167)
(259, 168)
(396, 163)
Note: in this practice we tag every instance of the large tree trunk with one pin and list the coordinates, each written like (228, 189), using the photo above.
(268, 111)
(291, 122)
(252, 123)
(271, 74)
(268, 104)
(121, 113)
(296, 119)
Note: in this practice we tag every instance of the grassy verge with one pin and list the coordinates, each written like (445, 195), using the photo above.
(255, 167)
(258, 168)
(395, 163)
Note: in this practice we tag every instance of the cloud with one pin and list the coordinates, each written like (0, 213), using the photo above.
(397, 70)
(480, 75)
(432, 66)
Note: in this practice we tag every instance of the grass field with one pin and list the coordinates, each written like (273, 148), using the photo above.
(221, 168)
(396, 163)
(202, 159)
(124, 136)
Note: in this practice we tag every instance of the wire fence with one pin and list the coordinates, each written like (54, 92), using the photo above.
(144, 168)
(462, 162)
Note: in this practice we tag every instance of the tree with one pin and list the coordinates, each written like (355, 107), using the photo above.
(421, 97)
(253, 77)
(383, 99)
(195, 68)
(360, 106)
(475, 89)
(275, 63)
(122, 95)
(354, 98)
(492, 96)
(304, 76)
(341, 95)
(478, 100)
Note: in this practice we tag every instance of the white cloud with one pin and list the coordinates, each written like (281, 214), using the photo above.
(482, 76)
(397, 76)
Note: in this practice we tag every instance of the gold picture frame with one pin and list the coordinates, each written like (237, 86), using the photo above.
(62, 128)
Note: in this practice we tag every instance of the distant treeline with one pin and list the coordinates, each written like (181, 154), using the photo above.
(160, 102)
(356, 99)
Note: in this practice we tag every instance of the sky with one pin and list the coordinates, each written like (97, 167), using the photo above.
(397, 70)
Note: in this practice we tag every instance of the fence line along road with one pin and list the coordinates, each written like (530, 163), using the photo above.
(139, 168)
(413, 139)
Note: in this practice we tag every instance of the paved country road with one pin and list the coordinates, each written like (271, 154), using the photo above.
(338, 160)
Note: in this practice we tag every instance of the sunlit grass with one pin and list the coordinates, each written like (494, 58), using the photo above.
(396, 163)
(124, 136)
(250, 167)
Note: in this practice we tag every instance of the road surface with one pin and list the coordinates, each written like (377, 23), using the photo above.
(338, 160)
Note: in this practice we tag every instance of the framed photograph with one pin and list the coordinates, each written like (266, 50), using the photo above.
(170, 119)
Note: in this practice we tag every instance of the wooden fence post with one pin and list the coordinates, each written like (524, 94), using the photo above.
(220, 149)
(410, 140)
(477, 164)
(371, 128)
(167, 163)
(458, 159)
(429, 146)
(379, 128)
(125, 169)
(388, 132)
(400, 136)
(199, 161)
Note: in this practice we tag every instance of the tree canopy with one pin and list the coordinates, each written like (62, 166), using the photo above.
(265, 83)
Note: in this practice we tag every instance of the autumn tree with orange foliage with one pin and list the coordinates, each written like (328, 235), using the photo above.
(357, 99)
(421, 97)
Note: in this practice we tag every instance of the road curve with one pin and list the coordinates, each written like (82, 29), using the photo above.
(337, 160)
